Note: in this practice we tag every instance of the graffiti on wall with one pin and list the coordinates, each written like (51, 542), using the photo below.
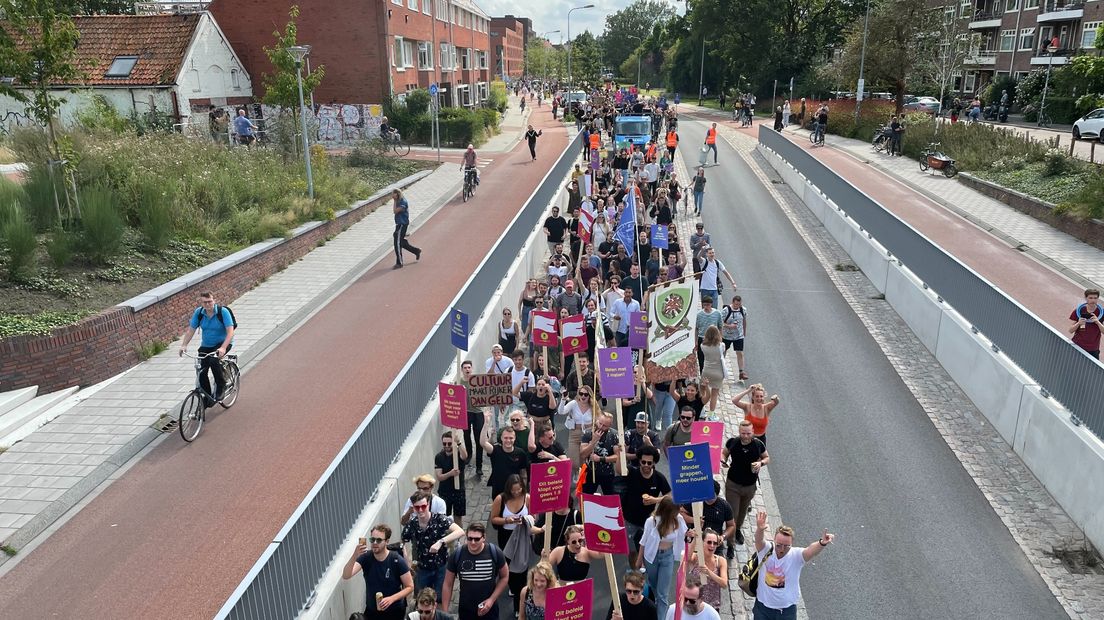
(345, 123)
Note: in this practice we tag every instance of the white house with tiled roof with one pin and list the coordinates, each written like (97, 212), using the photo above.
(176, 65)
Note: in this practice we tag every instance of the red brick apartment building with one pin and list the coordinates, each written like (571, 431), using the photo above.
(371, 48)
(508, 37)
(1013, 37)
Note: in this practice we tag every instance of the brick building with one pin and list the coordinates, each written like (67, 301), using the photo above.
(508, 35)
(372, 48)
(1012, 37)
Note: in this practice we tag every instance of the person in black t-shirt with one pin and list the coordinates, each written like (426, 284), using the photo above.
(540, 402)
(480, 567)
(634, 605)
(547, 448)
(746, 456)
(644, 487)
(554, 228)
(451, 487)
(387, 577)
(600, 448)
(506, 459)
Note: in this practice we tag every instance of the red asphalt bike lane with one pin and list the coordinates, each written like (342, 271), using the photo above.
(1047, 293)
(177, 532)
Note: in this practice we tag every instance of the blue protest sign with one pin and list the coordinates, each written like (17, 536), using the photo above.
(458, 326)
(691, 473)
(659, 236)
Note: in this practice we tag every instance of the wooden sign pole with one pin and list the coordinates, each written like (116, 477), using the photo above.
(699, 546)
(615, 593)
(548, 532)
(456, 439)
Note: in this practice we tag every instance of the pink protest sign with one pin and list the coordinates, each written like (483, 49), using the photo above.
(550, 486)
(573, 602)
(711, 433)
(453, 402)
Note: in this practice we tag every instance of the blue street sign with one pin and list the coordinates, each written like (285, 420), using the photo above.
(433, 91)
(458, 326)
(691, 473)
(659, 236)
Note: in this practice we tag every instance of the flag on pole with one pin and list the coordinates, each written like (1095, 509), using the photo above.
(626, 226)
(604, 524)
(586, 224)
(573, 334)
(545, 333)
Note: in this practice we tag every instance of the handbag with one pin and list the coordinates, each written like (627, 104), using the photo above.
(749, 573)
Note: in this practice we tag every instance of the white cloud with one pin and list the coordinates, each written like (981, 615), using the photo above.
(552, 14)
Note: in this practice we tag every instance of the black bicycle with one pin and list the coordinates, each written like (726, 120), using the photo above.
(193, 411)
(470, 183)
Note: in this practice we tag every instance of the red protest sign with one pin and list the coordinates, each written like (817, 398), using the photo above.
(711, 433)
(604, 524)
(573, 602)
(573, 334)
(544, 328)
(453, 402)
(550, 486)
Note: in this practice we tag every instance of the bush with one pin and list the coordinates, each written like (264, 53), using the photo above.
(100, 115)
(1089, 102)
(497, 97)
(1089, 202)
(1062, 110)
(20, 241)
(103, 228)
(460, 127)
(59, 247)
(11, 193)
(992, 92)
(873, 114)
(154, 216)
(417, 102)
(975, 146)
(1055, 162)
(489, 117)
(31, 145)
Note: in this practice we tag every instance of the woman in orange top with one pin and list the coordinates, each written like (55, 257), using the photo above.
(758, 410)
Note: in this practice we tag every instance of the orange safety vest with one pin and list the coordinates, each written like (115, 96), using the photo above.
(672, 139)
(651, 151)
(595, 141)
(711, 136)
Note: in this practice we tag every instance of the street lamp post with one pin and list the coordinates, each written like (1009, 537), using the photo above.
(544, 63)
(862, 63)
(299, 52)
(638, 56)
(701, 73)
(1046, 84)
(571, 83)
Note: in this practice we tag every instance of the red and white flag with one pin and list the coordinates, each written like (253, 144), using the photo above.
(545, 333)
(586, 223)
(573, 334)
(604, 524)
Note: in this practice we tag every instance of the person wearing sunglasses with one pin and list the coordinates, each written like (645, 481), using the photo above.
(387, 577)
(480, 567)
(429, 535)
(693, 607)
(678, 434)
(571, 561)
(424, 482)
(634, 605)
(426, 607)
(714, 574)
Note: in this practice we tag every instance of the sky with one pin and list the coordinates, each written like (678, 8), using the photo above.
(552, 14)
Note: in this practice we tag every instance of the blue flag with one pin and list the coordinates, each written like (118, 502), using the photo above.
(626, 226)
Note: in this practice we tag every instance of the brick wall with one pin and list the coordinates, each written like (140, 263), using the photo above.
(104, 345)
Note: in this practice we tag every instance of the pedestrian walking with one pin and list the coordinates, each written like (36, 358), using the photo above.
(699, 191)
(733, 330)
(746, 456)
(402, 222)
(711, 141)
(387, 577)
(780, 565)
(480, 567)
(778, 118)
(661, 548)
(801, 114)
(758, 409)
(1086, 326)
(531, 137)
(244, 128)
(786, 113)
(429, 536)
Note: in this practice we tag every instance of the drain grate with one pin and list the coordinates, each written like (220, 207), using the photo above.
(165, 424)
(1080, 560)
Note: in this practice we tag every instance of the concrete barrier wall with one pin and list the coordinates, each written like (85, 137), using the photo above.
(1065, 457)
(337, 598)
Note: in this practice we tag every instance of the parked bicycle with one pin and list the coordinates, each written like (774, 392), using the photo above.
(881, 139)
(1044, 119)
(193, 411)
(934, 159)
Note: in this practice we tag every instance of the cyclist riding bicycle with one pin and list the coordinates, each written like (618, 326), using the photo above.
(469, 163)
(387, 132)
(821, 123)
(217, 325)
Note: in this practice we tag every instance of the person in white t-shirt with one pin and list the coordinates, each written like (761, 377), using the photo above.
(693, 607)
(712, 270)
(780, 567)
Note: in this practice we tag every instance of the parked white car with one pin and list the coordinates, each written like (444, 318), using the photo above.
(922, 104)
(1090, 125)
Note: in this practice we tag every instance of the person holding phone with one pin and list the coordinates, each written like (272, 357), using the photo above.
(1086, 326)
(387, 577)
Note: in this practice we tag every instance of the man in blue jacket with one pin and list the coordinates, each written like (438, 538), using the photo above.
(402, 222)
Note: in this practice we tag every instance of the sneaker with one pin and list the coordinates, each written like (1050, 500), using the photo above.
(418, 255)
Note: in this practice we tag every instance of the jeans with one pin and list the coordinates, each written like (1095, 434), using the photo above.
(715, 294)
(625, 177)
(699, 200)
(661, 572)
(430, 578)
(762, 612)
(664, 409)
(713, 147)
(622, 339)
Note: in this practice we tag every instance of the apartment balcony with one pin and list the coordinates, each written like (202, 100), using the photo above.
(1058, 58)
(1060, 10)
(981, 58)
(986, 18)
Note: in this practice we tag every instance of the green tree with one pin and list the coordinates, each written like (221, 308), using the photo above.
(281, 86)
(586, 59)
(635, 20)
(103, 7)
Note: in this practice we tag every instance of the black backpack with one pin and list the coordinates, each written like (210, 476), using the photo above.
(748, 579)
(218, 315)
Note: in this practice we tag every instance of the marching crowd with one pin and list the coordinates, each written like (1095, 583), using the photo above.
(604, 270)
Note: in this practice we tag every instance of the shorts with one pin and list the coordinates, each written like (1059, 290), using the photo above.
(735, 345)
(455, 502)
(246, 140)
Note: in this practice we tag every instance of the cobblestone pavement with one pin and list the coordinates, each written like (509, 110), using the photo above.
(51, 470)
(1037, 523)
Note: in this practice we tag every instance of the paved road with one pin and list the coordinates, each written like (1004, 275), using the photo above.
(177, 532)
(852, 450)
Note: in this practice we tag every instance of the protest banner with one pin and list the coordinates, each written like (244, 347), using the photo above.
(453, 403)
(615, 372)
(604, 524)
(549, 490)
(570, 602)
(671, 306)
(692, 482)
(711, 433)
(490, 390)
(638, 330)
(573, 334)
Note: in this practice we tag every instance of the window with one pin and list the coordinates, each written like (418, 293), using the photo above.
(442, 10)
(445, 62)
(482, 60)
(466, 59)
(396, 53)
(482, 90)
(425, 56)
(403, 54)
(971, 81)
(427, 6)
(412, 4)
(1027, 38)
(408, 54)
(1088, 34)
(1031, 4)
(121, 67)
(966, 8)
(1021, 75)
(1011, 5)
(235, 77)
(1007, 40)
(398, 2)
(948, 15)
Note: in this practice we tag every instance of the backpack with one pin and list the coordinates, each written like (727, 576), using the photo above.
(496, 555)
(749, 573)
(218, 315)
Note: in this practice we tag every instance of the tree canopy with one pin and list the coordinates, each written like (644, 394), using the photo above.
(282, 86)
(627, 28)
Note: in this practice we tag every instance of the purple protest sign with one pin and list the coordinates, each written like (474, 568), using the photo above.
(616, 376)
(638, 330)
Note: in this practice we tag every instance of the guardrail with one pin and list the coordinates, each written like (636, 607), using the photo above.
(282, 582)
(1062, 370)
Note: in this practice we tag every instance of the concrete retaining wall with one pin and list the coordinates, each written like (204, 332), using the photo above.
(1066, 458)
(337, 598)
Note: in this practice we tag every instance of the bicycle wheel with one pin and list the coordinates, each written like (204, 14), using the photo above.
(401, 149)
(949, 171)
(191, 416)
(812, 137)
(923, 163)
(233, 385)
(1044, 119)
